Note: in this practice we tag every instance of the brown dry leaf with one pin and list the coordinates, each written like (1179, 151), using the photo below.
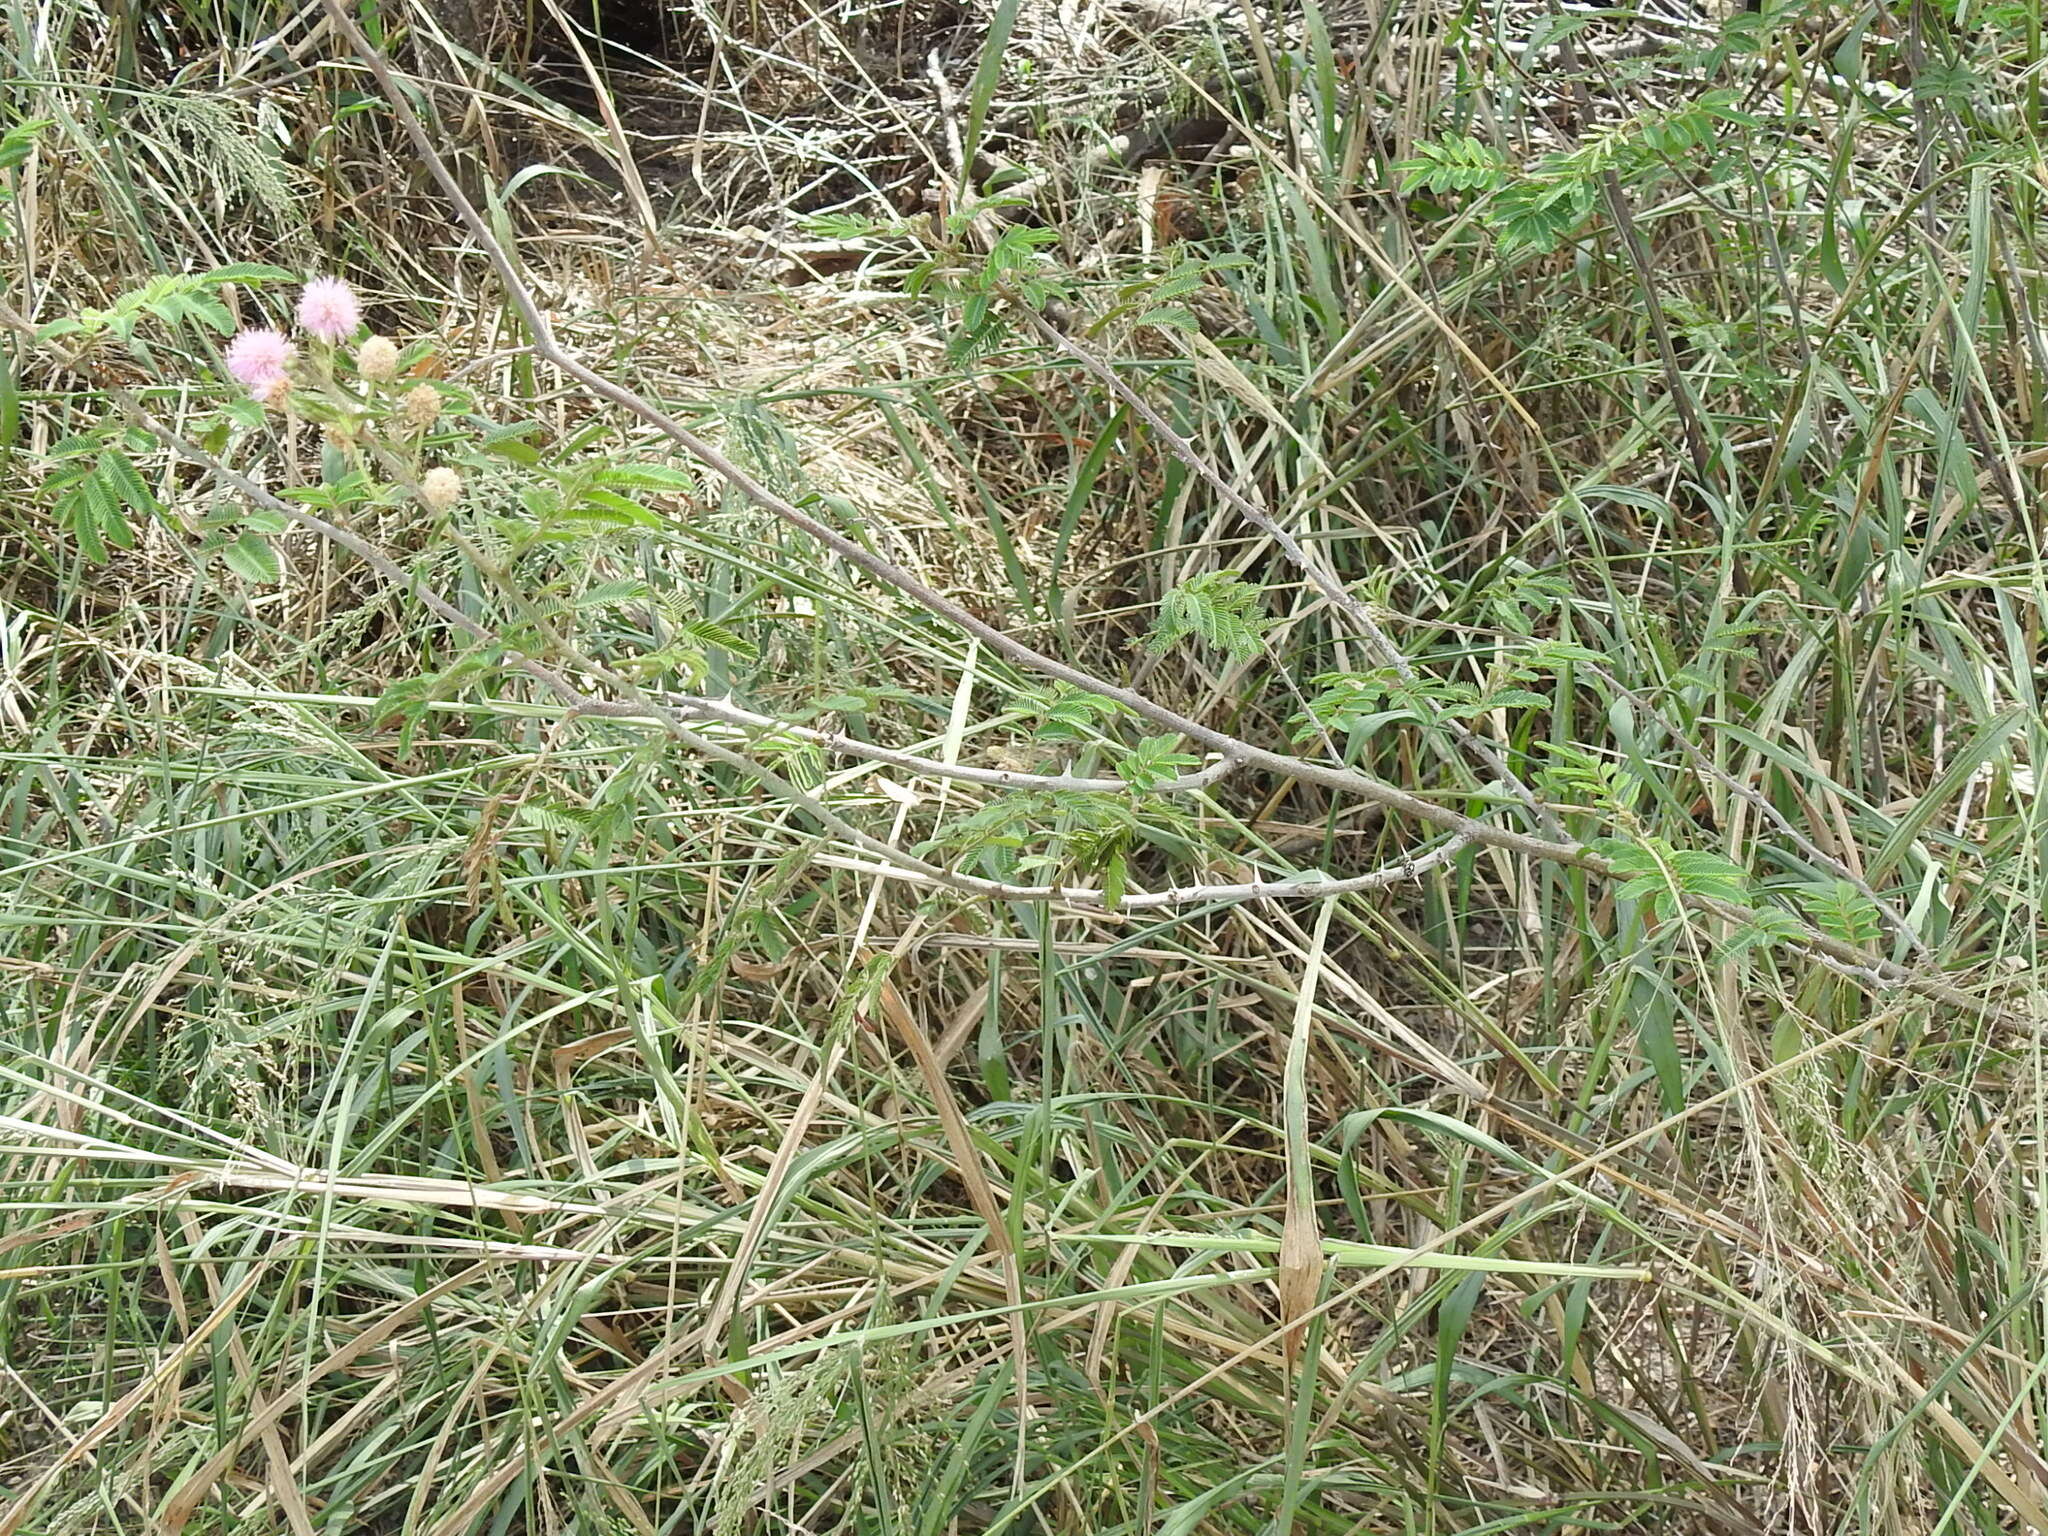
(1301, 1269)
(1301, 1238)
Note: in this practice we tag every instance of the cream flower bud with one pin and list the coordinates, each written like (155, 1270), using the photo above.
(441, 488)
(377, 359)
(421, 407)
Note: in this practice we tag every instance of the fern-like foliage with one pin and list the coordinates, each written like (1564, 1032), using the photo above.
(1220, 610)
(97, 494)
(1153, 762)
(1575, 776)
(1065, 713)
(1070, 835)
(1456, 163)
(1765, 929)
(1002, 823)
(1160, 300)
(1015, 263)
(1359, 703)
(1537, 207)
(177, 301)
(408, 701)
(1663, 876)
(1840, 911)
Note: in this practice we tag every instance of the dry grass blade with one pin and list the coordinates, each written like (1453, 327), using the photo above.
(1301, 1236)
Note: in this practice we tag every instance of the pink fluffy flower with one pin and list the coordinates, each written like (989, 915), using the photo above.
(256, 357)
(328, 309)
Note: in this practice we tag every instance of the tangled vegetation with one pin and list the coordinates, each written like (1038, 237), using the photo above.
(1106, 768)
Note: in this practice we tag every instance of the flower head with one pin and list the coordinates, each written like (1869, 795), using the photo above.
(377, 359)
(328, 309)
(274, 393)
(256, 357)
(420, 407)
(441, 488)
